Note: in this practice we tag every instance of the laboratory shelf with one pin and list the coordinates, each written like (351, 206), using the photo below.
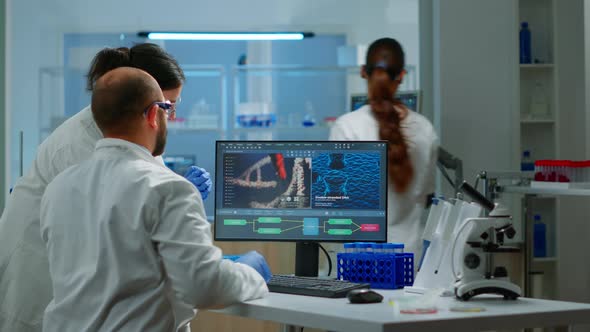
(192, 130)
(536, 66)
(544, 259)
(545, 191)
(538, 121)
(282, 129)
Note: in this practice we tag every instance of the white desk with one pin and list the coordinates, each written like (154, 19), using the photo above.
(339, 315)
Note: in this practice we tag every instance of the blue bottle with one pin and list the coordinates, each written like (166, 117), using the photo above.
(525, 43)
(526, 163)
(539, 237)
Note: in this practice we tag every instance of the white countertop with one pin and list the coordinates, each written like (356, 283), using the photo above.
(339, 315)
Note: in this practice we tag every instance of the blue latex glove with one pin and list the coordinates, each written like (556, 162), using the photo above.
(201, 179)
(231, 257)
(257, 262)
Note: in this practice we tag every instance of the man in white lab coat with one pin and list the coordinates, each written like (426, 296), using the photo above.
(127, 244)
(25, 287)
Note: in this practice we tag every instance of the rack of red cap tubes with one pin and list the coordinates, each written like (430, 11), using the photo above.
(562, 171)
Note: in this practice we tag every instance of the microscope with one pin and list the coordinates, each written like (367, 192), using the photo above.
(476, 240)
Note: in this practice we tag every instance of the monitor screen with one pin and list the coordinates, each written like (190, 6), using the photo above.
(328, 191)
(412, 100)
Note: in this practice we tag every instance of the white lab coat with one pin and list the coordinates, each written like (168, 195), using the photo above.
(404, 209)
(126, 238)
(25, 287)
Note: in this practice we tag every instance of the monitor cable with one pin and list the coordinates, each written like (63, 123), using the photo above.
(328, 258)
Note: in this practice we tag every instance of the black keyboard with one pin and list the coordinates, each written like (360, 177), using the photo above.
(311, 286)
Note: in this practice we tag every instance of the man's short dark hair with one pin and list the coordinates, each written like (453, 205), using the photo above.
(119, 98)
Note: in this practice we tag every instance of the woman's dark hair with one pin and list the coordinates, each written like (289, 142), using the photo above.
(384, 64)
(147, 57)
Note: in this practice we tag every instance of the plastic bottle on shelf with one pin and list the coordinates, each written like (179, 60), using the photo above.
(525, 43)
(527, 163)
(539, 237)
(539, 108)
(309, 117)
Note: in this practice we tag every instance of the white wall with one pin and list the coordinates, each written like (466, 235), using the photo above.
(587, 71)
(37, 26)
(474, 48)
(573, 274)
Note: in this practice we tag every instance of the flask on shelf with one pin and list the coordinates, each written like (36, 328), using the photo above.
(539, 237)
(525, 43)
(527, 163)
(539, 108)
(309, 117)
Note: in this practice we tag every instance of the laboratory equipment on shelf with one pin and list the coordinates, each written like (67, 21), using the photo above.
(526, 162)
(255, 115)
(485, 236)
(525, 43)
(539, 107)
(562, 171)
(539, 237)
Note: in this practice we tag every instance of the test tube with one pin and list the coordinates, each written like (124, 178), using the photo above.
(398, 248)
(388, 248)
(576, 171)
(539, 175)
(363, 247)
(349, 248)
(377, 248)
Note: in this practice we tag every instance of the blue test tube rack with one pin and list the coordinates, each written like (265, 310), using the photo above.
(387, 270)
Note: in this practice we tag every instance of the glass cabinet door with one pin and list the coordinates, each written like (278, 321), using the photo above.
(201, 120)
(282, 102)
(290, 102)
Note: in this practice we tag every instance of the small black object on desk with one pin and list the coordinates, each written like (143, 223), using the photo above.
(364, 295)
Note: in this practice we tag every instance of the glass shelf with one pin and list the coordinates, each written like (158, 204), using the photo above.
(537, 121)
(544, 259)
(536, 66)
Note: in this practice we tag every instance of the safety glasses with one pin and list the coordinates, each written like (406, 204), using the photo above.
(167, 106)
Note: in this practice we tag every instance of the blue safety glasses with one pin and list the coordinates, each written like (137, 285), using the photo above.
(167, 106)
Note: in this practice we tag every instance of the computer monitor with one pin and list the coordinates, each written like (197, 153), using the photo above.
(412, 99)
(301, 191)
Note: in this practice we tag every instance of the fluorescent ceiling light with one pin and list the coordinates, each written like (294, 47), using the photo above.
(226, 35)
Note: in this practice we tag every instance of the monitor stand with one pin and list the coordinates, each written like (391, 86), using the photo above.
(307, 259)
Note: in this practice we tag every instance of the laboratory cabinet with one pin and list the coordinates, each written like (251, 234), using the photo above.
(242, 102)
(539, 125)
(548, 110)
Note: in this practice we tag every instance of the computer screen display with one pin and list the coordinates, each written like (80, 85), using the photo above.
(333, 191)
(412, 100)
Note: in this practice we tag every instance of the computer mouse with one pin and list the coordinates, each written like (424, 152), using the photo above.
(364, 295)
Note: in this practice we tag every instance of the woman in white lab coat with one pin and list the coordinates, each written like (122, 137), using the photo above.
(129, 245)
(25, 285)
(413, 143)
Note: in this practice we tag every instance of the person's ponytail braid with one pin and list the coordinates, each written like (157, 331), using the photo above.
(384, 66)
